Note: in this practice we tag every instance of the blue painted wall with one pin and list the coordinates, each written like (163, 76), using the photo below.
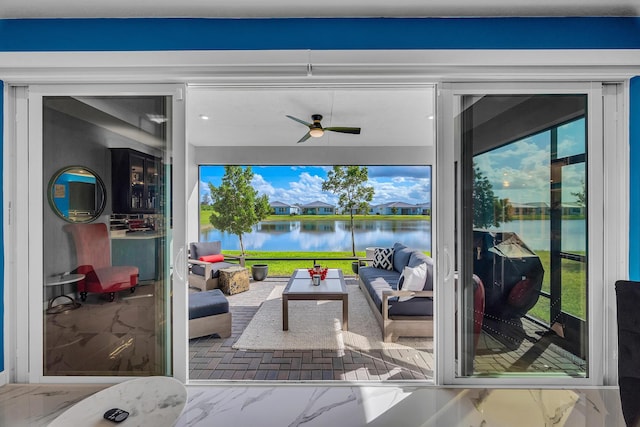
(18, 35)
(327, 33)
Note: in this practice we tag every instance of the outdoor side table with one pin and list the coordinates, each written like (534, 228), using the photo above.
(234, 280)
(60, 280)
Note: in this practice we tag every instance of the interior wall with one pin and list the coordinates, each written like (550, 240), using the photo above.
(68, 142)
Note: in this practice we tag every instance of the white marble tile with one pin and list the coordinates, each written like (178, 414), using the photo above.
(152, 401)
(345, 406)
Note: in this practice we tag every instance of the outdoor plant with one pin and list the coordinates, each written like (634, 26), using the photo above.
(237, 207)
(348, 183)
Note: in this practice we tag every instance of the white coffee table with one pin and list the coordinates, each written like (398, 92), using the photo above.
(150, 401)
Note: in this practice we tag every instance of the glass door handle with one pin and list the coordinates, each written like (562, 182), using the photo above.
(180, 264)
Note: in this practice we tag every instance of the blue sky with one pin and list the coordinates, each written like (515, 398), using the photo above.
(303, 184)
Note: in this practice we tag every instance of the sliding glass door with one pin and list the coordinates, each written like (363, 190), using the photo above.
(526, 265)
(105, 166)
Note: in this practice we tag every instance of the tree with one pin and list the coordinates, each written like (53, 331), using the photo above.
(488, 210)
(394, 210)
(581, 196)
(348, 183)
(236, 205)
(483, 200)
(502, 211)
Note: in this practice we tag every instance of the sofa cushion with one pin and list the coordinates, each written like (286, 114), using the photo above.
(198, 249)
(207, 303)
(412, 279)
(418, 258)
(215, 269)
(401, 255)
(383, 258)
(413, 307)
(377, 280)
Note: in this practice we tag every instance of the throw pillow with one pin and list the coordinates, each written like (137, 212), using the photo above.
(412, 279)
(383, 258)
(212, 258)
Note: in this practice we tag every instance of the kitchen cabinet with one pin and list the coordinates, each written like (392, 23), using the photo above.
(135, 180)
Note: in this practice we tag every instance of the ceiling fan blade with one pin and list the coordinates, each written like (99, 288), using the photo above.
(299, 120)
(304, 138)
(355, 131)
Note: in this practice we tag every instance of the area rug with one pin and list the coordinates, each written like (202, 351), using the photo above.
(316, 325)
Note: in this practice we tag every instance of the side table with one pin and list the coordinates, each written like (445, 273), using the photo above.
(234, 280)
(60, 280)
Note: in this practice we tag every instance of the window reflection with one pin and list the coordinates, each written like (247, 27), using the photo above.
(526, 162)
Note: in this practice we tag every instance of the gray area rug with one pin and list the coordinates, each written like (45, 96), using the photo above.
(316, 325)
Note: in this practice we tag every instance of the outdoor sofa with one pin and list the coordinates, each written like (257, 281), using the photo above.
(400, 311)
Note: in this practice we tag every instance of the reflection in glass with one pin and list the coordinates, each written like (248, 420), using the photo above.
(125, 333)
(525, 172)
(77, 194)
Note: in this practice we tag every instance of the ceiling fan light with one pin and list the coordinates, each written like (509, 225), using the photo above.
(316, 132)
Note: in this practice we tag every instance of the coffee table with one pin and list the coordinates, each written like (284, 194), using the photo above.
(150, 401)
(300, 288)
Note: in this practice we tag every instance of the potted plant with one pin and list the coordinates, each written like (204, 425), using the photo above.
(259, 271)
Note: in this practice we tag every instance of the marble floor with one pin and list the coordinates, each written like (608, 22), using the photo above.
(345, 406)
(102, 337)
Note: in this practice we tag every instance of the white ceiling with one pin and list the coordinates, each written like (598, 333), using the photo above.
(313, 8)
(257, 117)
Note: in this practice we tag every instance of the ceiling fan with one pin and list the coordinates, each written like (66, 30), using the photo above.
(316, 130)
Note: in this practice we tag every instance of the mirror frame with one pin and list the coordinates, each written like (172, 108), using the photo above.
(99, 187)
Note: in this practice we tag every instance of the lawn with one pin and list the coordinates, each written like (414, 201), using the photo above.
(574, 295)
(286, 267)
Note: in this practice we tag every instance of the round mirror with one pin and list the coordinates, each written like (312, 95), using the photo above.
(77, 194)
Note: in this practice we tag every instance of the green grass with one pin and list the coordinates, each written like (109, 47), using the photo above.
(286, 268)
(574, 295)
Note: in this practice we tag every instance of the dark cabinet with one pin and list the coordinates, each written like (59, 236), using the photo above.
(135, 180)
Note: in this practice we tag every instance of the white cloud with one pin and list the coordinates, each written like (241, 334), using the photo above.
(262, 186)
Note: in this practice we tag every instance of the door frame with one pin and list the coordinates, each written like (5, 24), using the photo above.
(603, 238)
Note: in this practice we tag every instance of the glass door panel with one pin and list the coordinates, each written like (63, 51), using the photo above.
(106, 278)
(523, 285)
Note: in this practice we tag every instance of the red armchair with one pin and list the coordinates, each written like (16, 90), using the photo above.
(93, 253)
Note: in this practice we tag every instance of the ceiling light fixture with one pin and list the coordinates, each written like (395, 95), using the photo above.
(204, 117)
(316, 132)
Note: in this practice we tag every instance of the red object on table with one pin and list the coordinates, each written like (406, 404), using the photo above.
(322, 272)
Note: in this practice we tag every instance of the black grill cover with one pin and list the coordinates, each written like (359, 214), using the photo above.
(510, 271)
